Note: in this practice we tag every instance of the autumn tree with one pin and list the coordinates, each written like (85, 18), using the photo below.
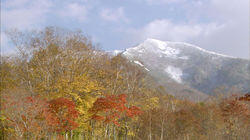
(236, 115)
(25, 115)
(111, 109)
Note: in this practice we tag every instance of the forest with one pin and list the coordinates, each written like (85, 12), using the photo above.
(61, 86)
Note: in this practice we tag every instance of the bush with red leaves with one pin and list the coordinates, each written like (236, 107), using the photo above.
(64, 113)
(111, 108)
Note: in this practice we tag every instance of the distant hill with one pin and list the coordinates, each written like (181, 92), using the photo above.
(187, 70)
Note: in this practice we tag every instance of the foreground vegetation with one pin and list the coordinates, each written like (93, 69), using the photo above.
(60, 86)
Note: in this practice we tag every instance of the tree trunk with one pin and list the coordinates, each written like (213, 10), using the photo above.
(126, 131)
(114, 136)
(150, 125)
(162, 129)
(66, 136)
(83, 136)
(106, 131)
(71, 135)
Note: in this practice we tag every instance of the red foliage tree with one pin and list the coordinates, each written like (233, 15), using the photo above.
(111, 108)
(26, 114)
(64, 113)
(235, 111)
(246, 97)
(234, 106)
(35, 116)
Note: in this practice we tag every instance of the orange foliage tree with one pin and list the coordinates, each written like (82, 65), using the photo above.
(33, 117)
(111, 108)
(64, 112)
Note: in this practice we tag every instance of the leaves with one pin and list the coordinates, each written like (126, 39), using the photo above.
(64, 114)
(111, 108)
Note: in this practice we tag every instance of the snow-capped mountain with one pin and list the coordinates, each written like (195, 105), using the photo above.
(114, 52)
(189, 65)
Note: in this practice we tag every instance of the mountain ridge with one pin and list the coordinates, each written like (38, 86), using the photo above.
(189, 65)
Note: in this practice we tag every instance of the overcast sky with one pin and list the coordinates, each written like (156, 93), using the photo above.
(216, 25)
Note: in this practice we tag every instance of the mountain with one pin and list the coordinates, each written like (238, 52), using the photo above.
(186, 69)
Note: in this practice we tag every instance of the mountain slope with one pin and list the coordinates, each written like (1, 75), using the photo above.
(190, 66)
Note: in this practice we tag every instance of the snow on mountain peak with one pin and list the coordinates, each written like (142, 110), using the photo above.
(114, 52)
(157, 43)
(163, 45)
(117, 51)
(160, 48)
(173, 50)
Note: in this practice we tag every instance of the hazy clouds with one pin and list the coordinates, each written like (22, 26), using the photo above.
(217, 25)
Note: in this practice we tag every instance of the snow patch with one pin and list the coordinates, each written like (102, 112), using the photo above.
(147, 69)
(169, 49)
(139, 63)
(198, 48)
(174, 73)
(116, 52)
(160, 44)
(160, 48)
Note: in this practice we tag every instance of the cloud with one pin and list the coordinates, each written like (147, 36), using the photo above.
(157, 2)
(3, 39)
(229, 9)
(74, 10)
(15, 3)
(24, 14)
(28, 14)
(114, 15)
(217, 25)
(165, 29)
(233, 38)
(226, 38)
(5, 46)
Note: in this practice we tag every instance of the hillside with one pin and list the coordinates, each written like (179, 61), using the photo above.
(187, 70)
